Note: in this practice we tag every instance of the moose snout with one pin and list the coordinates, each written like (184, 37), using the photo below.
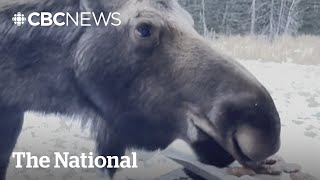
(256, 144)
(250, 126)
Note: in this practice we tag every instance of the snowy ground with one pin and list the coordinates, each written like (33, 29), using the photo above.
(296, 91)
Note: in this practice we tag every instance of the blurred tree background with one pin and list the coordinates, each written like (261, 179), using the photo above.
(255, 17)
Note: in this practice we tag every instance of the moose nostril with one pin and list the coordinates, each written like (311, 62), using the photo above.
(255, 144)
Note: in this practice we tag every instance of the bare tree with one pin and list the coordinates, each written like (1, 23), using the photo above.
(271, 31)
(266, 17)
(253, 17)
(291, 20)
(225, 15)
(280, 17)
(203, 18)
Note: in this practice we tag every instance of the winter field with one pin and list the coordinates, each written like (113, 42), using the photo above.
(303, 49)
(292, 79)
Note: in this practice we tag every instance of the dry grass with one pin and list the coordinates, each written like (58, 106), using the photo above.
(301, 49)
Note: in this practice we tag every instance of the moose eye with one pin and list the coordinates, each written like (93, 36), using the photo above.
(144, 30)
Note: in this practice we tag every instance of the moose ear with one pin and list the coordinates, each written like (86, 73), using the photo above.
(101, 5)
(93, 5)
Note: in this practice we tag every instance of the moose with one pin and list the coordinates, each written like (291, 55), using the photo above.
(142, 84)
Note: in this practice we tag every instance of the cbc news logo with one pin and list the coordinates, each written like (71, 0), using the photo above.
(18, 19)
(67, 19)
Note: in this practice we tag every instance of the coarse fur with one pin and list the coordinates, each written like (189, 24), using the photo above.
(136, 92)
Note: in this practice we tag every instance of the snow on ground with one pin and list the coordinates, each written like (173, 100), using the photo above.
(295, 89)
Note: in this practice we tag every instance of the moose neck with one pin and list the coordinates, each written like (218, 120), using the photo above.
(41, 57)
